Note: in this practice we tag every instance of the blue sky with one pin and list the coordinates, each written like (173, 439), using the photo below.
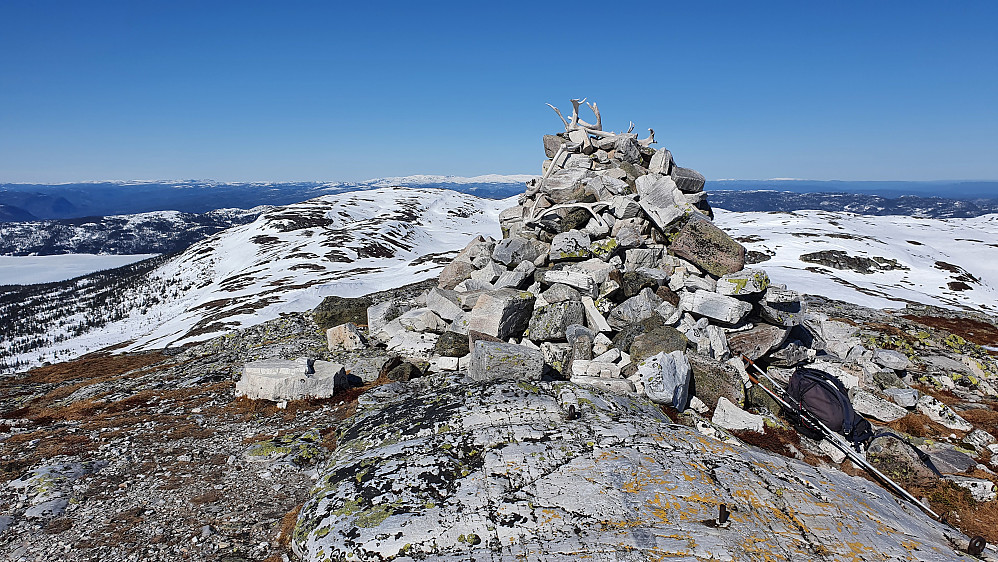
(247, 90)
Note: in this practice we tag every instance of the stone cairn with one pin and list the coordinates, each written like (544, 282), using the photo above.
(610, 273)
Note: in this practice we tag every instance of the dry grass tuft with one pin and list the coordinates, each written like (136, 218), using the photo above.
(986, 419)
(94, 367)
(785, 442)
(287, 529)
(919, 425)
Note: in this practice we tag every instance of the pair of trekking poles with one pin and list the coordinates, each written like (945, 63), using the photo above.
(977, 544)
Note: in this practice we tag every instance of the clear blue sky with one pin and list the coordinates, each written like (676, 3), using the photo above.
(352, 90)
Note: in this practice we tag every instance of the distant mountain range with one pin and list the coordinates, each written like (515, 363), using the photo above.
(859, 203)
(889, 189)
(20, 201)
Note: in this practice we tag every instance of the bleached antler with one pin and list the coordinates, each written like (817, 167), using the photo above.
(648, 141)
(559, 115)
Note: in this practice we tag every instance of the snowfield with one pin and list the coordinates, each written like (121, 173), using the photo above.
(951, 263)
(29, 270)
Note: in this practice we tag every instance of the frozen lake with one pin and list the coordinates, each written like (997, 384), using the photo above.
(28, 270)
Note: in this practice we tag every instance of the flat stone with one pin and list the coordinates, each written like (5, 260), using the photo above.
(634, 309)
(727, 310)
(731, 417)
(870, 405)
(572, 245)
(511, 280)
(981, 490)
(414, 345)
(948, 460)
(614, 385)
(939, 412)
(744, 282)
(708, 247)
(582, 281)
(757, 341)
(278, 379)
(502, 313)
(891, 359)
(513, 250)
(904, 397)
(504, 361)
(979, 439)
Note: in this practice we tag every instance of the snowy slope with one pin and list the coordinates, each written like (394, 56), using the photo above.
(943, 262)
(289, 259)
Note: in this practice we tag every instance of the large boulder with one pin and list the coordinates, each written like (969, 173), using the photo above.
(504, 361)
(713, 379)
(724, 309)
(548, 323)
(280, 379)
(513, 250)
(708, 247)
(666, 379)
(502, 313)
(437, 469)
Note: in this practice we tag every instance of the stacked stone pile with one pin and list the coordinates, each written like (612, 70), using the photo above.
(609, 273)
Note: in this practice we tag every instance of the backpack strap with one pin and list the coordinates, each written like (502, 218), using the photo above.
(922, 455)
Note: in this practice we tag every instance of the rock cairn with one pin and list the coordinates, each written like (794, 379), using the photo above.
(609, 273)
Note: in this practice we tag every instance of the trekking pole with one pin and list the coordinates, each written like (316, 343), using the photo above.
(836, 440)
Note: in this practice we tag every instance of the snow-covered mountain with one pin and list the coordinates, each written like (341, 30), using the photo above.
(288, 259)
(157, 232)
